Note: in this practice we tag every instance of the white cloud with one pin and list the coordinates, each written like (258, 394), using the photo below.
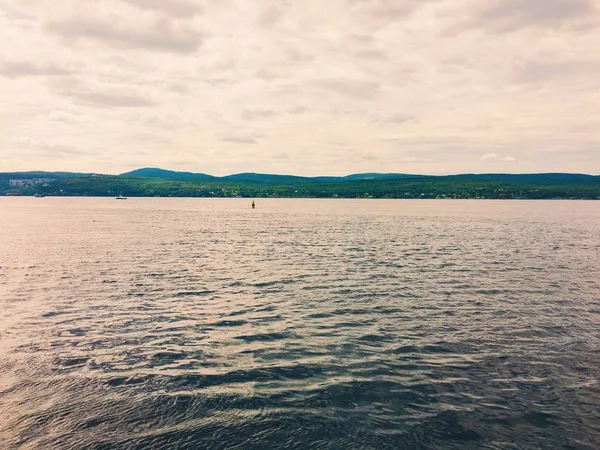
(395, 119)
(312, 87)
(42, 148)
(240, 138)
(176, 8)
(349, 87)
(498, 158)
(104, 95)
(16, 69)
(60, 116)
(254, 114)
(162, 35)
(271, 15)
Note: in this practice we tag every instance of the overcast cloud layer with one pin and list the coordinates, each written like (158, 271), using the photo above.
(310, 87)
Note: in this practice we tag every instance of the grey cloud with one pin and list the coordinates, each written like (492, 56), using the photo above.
(295, 55)
(105, 96)
(431, 144)
(512, 14)
(271, 15)
(396, 119)
(178, 87)
(268, 74)
(158, 119)
(386, 92)
(125, 63)
(385, 11)
(348, 87)
(250, 114)
(106, 99)
(60, 116)
(176, 8)
(220, 82)
(13, 14)
(363, 156)
(48, 149)
(162, 36)
(239, 138)
(372, 54)
(544, 71)
(298, 109)
(12, 69)
(63, 152)
(153, 139)
(455, 61)
(361, 39)
(225, 64)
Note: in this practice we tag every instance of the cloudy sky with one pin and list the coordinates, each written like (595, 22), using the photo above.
(308, 87)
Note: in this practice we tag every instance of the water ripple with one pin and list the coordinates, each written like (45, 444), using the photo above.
(202, 324)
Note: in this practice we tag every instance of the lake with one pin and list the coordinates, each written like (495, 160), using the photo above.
(302, 324)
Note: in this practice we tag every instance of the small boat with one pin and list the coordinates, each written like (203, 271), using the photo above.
(120, 197)
(39, 196)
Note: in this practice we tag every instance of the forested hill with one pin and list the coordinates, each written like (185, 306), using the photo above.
(536, 178)
(249, 177)
(163, 174)
(165, 183)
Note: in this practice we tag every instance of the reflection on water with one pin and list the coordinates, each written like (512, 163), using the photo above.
(325, 324)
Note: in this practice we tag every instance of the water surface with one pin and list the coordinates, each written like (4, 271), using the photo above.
(321, 324)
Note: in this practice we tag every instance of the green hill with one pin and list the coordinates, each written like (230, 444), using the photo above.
(164, 183)
(251, 177)
(150, 172)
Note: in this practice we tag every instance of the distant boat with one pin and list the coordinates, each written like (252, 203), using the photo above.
(39, 195)
(120, 197)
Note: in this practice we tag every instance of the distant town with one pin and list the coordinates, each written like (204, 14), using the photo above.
(19, 183)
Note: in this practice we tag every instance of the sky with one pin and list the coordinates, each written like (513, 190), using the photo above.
(308, 87)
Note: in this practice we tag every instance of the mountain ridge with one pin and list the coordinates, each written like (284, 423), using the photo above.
(268, 178)
(153, 182)
(173, 175)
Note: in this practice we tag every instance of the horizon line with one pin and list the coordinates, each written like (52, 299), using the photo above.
(300, 176)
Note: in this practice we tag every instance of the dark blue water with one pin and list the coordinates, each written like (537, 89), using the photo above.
(350, 324)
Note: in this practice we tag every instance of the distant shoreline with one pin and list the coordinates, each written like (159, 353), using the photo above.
(166, 184)
(133, 197)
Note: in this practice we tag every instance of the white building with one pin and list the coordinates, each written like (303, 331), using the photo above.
(19, 183)
(29, 182)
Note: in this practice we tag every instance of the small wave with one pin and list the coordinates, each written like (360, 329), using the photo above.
(267, 337)
(229, 323)
(194, 293)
